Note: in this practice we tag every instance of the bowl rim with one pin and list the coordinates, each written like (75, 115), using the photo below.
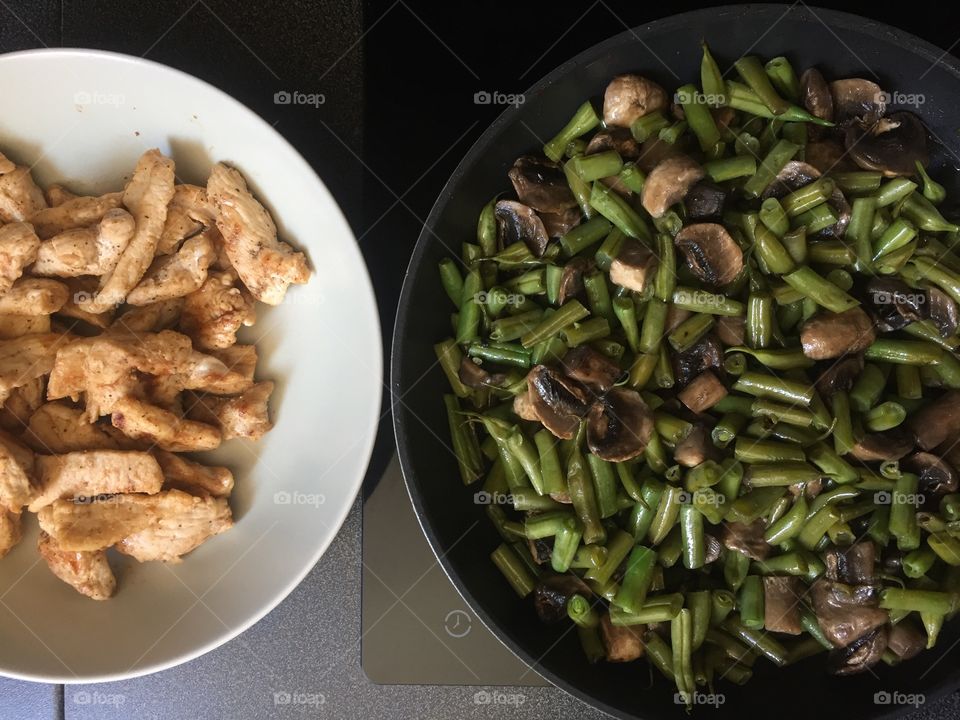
(874, 28)
(371, 322)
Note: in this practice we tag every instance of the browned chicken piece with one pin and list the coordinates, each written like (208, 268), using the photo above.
(58, 195)
(20, 197)
(223, 260)
(175, 275)
(92, 250)
(21, 404)
(74, 213)
(26, 358)
(14, 326)
(266, 265)
(74, 308)
(146, 197)
(89, 473)
(18, 248)
(175, 518)
(245, 416)
(151, 318)
(34, 296)
(142, 421)
(16, 468)
(188, 214)
(11, 530)
(241, 362)
(58, 428)
(165, 391)
(88, 572)
(213, 314)
(192, 477)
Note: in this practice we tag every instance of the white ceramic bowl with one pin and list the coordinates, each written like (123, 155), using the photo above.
(82, 117)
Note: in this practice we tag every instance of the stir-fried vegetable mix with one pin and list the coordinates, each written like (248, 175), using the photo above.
(704, 371)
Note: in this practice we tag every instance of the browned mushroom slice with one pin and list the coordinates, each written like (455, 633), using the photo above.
(523, 407)
(675, 317)
(593, 369)
(840, 375)
(695, 448)
(795, 174)
(703, 392)
(619, 426)
(828, 155)
(668, 183)
(474, 376)
(747, 539)
(817, 98)
(781, 604)
(893, 145)
(518, 223)
(730, 330)
(860, 655)
(846, 612)
(622, 642)
(830, 335)
(905, 640)
(634, 266)
(629, 97)
(943, 311)
(938, 421)
(857, 99)
(894, 304)
(559, 224)
(552, 592)
(937, 477)
(571, 279)
(705, 202)
(887, 445)
(541, 184)
(706, 353)
(853, 565)
(615, 138)
(557, 401)
(712, 253)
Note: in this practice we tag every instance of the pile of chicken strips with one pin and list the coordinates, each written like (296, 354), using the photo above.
(119, 359)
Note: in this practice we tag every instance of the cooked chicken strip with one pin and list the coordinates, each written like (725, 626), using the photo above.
(176, 275)
(245, 416)
(28, 357)
(20, 197)
(11, 530)
(146, 197)
(267, 266)
(58, 428)
(89, 473)
(21, 404)
(58, 195)
(173, 536)
(34, 296)
(94, 526)
(142, 421)
(87, 250)
(75, 213)
(88, 572)
(192, 477)
(213, 314)
(81, 288)
(18, 248)
(16, 468)
(14, 326)
(188, 215)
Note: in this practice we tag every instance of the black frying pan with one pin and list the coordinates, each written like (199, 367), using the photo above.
(841, 45)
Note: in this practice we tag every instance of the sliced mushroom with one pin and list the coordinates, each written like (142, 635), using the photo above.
(828, 155)
(675, 316)
(571, 279)
(559, 224)
(714, 549)
(887, 445)
(629, 97)
(705, 202)
(893, 145)
(937, 477)
(712, 253)
(474, 376)
(552, 593)
(860, 655)
(846, 612)
(857, 99)
(905, 640)
(730, 330)
(840, 375)
(622, 642)
(634, 266)
(781, 604)
(747, 539)
(614, 138)
(706, 353)
(853, 565)
(654, 151)
(668, 183)
(619, 426)
(557, 401)
(938, 421)
(593, 369)
(943, 311)
(517, 222)
(523, 407)
(541, 184)
(703, 392)
(540, 550)
(894, 304)
(829, 335)
(695, 448)
(795, 175)
(816, 94)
